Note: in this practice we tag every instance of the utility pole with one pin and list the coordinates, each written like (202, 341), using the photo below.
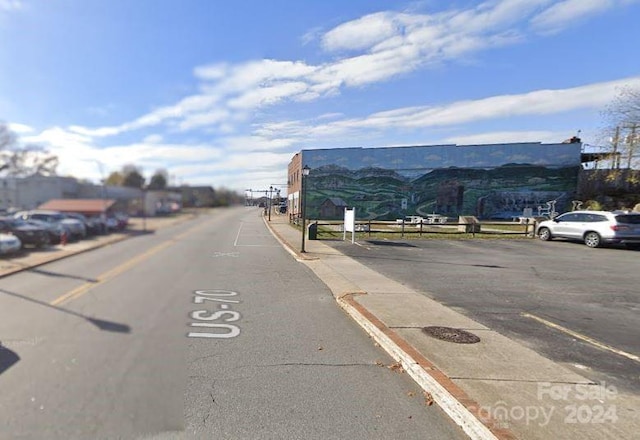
(616, 139)
(631, 145)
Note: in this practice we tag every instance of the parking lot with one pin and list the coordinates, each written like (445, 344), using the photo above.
(31, 256)
(576, 305)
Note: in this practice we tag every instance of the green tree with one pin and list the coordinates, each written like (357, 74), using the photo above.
(159, 179)
(133, 178)
(115, 179)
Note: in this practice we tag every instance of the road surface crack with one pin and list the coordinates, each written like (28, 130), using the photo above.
(211, 405)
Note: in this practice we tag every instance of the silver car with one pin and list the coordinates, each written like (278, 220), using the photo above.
(9, 244)
(594, 228)
(75, 227)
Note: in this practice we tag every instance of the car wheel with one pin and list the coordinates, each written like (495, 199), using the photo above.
(544, 234)
(592, 239)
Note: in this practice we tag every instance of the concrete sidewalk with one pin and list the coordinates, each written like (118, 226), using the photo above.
(494, 389)
(30, 258)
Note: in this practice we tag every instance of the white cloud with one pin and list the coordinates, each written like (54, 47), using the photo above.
(380, 46)
(10, 5)
(228, 161)
(535, 103)
(152, 139)
(500, 137)
(20, 129)
(564, 13)
(539, 102)
(367, 50)
(364, 32)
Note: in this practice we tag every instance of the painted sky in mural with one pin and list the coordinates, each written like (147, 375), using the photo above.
(413, 161)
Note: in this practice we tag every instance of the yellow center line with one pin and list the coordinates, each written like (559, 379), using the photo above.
(582, 337)
(112, 273)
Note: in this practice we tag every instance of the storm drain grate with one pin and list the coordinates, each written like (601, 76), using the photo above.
(450, 334)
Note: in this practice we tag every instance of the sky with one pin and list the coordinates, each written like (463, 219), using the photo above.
(224, 93)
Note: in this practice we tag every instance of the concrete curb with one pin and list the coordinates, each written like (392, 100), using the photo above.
(453, 400)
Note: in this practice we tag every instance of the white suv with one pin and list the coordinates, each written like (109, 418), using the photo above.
(593, 227)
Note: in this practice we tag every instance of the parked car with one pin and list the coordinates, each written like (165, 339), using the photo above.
(9, 244)
(76, 227)
(100, 221)
(112, 224)
(92, 225)
(123, 220)
(55, 230)
(117, 221)
(594, 228)
(28, 234)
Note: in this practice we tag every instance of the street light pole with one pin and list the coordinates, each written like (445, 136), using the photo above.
(103, 194)
(303, 203)
(270, 197)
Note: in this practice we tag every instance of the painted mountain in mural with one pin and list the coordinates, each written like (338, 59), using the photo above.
(501, 192)
(488, 181)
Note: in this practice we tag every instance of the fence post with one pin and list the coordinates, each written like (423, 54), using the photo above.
(420, 227)
(369, 228)
(402, 233)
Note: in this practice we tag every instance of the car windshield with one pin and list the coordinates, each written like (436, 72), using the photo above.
(18, 222)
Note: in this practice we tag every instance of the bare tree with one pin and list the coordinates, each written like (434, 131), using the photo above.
(17, 160)
(623, 115)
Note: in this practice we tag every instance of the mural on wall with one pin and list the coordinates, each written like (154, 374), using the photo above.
(488, 181)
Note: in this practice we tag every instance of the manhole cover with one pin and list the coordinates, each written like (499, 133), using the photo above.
(450, 334)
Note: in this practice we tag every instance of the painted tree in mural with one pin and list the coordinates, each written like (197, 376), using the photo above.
(18, 160)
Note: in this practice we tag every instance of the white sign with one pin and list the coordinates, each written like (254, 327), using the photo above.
(349, 224)
(349, 220)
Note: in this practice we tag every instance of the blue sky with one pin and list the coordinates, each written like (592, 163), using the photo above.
(224, 93)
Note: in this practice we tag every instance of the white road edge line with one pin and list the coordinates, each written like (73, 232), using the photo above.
(473, 427)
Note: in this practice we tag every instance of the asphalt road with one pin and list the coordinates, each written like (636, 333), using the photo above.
(207, 329)
(573, 304)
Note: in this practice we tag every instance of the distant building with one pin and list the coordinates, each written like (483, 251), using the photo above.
(196, 196)
(487, 181)
(30, 192)
(20, 193)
